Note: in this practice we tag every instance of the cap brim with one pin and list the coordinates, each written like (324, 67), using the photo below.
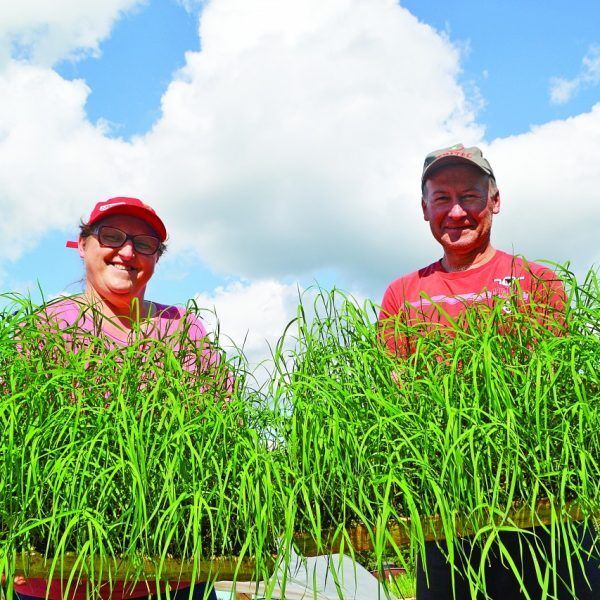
(451, 160)
(144, 214)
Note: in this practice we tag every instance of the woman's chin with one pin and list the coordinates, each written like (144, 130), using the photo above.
(118, 295)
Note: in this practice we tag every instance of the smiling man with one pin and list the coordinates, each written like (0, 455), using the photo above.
(460, 199)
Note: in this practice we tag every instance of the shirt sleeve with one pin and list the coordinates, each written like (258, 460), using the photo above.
(389, 304)
(391, 318)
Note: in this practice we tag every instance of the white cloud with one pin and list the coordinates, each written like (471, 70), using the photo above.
(293, 141)
(250, 314)
(549, 182)
(54, 164)
(292, 144)
(562, 90)
(254, 315)
(45, 32)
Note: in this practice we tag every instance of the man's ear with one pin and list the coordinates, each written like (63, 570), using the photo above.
(425, 209)
(81, 246)
(496, 203)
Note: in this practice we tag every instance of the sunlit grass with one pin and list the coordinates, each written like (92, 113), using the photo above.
(121, 455)
(477, 428)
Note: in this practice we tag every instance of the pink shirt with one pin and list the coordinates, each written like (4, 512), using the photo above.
(75, 317)
(167, 323)
(166, 320)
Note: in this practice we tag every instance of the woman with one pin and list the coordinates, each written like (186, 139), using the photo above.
(120, 244)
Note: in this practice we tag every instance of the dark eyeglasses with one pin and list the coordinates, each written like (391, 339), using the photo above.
(115, 238)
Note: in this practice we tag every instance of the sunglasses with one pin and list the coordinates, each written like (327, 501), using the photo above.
(115, 238)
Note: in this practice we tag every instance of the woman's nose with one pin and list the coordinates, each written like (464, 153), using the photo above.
(126, 250)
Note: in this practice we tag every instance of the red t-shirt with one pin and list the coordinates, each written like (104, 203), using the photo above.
(432, 295)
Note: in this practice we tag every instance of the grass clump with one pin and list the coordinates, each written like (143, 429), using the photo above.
(123, 455)
(490, 427)
(114, 461)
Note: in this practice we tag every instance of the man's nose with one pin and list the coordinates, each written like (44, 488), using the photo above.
(457, 211)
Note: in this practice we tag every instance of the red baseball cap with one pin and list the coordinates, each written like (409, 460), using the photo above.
(126, 206)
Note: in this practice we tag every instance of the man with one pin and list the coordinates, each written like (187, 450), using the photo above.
(459, 200)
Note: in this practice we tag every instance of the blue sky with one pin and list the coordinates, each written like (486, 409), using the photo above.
(511, 51)
(285, 146)
(514, 49)
(137, 63)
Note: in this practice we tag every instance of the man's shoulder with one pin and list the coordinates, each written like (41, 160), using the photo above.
(415, 276)
(514, 265)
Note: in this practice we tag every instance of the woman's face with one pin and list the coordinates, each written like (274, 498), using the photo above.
(118, 275)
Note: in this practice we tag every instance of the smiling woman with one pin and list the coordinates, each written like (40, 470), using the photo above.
(120, 245)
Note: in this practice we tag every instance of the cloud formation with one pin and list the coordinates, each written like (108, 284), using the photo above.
(549, 184)
(43, 32)
(252, 315)
(54, 164)
(290, 145)
(293, 141)
(562, 90)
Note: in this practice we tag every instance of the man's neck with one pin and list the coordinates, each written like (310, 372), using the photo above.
(464, 262)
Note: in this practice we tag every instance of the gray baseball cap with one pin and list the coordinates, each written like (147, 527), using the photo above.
(455, 154)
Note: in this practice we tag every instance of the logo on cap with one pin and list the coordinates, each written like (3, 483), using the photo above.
(107, 206)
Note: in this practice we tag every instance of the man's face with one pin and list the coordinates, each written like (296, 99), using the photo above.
(459, 208)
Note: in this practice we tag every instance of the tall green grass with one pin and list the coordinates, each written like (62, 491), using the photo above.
(120, 453)
(121, 456)
(472, 427)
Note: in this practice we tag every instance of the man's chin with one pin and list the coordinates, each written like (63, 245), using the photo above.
(460, 244)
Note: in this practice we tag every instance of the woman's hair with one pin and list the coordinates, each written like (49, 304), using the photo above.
(86, 230)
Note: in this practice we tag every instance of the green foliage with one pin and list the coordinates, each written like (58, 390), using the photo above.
(478, 426)
(121, 453)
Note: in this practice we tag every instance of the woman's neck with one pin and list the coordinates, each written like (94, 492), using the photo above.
(125, 315)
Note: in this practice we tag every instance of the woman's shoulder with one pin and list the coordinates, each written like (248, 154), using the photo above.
(64, 312)
(166, 311)
(171, 319)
